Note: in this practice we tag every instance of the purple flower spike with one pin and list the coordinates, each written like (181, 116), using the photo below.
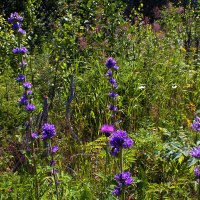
(27, 85)
(110, 62)
(16, 26)
(20, 78)
(197, 172)
(21, 31)
(54, 149)
(48, 131)
(196, 124)
(195, 152)
(23, 100)
(30, 107)
(34, 135)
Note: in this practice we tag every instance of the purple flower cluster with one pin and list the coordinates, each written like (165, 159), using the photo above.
(196, 124)
(20, 78)
(48, 131)
(123, 179)
(30, 107)
(14, 17)
(23, 100)
(27, 85)
(197, 172)
(21, 50)
(111, 65)
(118, 140)
(195, 152)
(15, 20)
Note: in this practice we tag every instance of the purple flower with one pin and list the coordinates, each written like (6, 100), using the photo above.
(20, 78)
(117, 189)
(27, 85)
(197, 172)
(124, 178)
(113, 108)
(48, 131)
(195, 152)
(52, 162)
(29, 92)
(16, 26)
(110, 62)
(107, 129)
(112, 80)
(34, 135)
(115, 85)
(54, 149)
(23, 100)
(114, 151)
(21, 31)
(116, 67)
(30, 107)
(15, 17)
(21, 50)
(16, 50)
(120, 139)
(23, 64)
(113, 94)
(196, 124)
(109, 73)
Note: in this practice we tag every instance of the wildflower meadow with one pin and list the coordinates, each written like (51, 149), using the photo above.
(99, 100)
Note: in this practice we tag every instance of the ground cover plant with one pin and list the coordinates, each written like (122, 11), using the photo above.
(99, 100)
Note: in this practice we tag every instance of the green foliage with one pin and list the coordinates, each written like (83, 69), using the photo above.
(158, 80)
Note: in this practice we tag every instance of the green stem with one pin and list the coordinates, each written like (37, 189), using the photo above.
(54, 174)
(34, 161)
(198, 189)
(122, 197)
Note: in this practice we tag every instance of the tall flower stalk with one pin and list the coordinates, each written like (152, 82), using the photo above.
(48, 133)
(25, 101)
(117, 140)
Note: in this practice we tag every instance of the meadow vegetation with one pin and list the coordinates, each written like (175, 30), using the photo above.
(68, 47)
